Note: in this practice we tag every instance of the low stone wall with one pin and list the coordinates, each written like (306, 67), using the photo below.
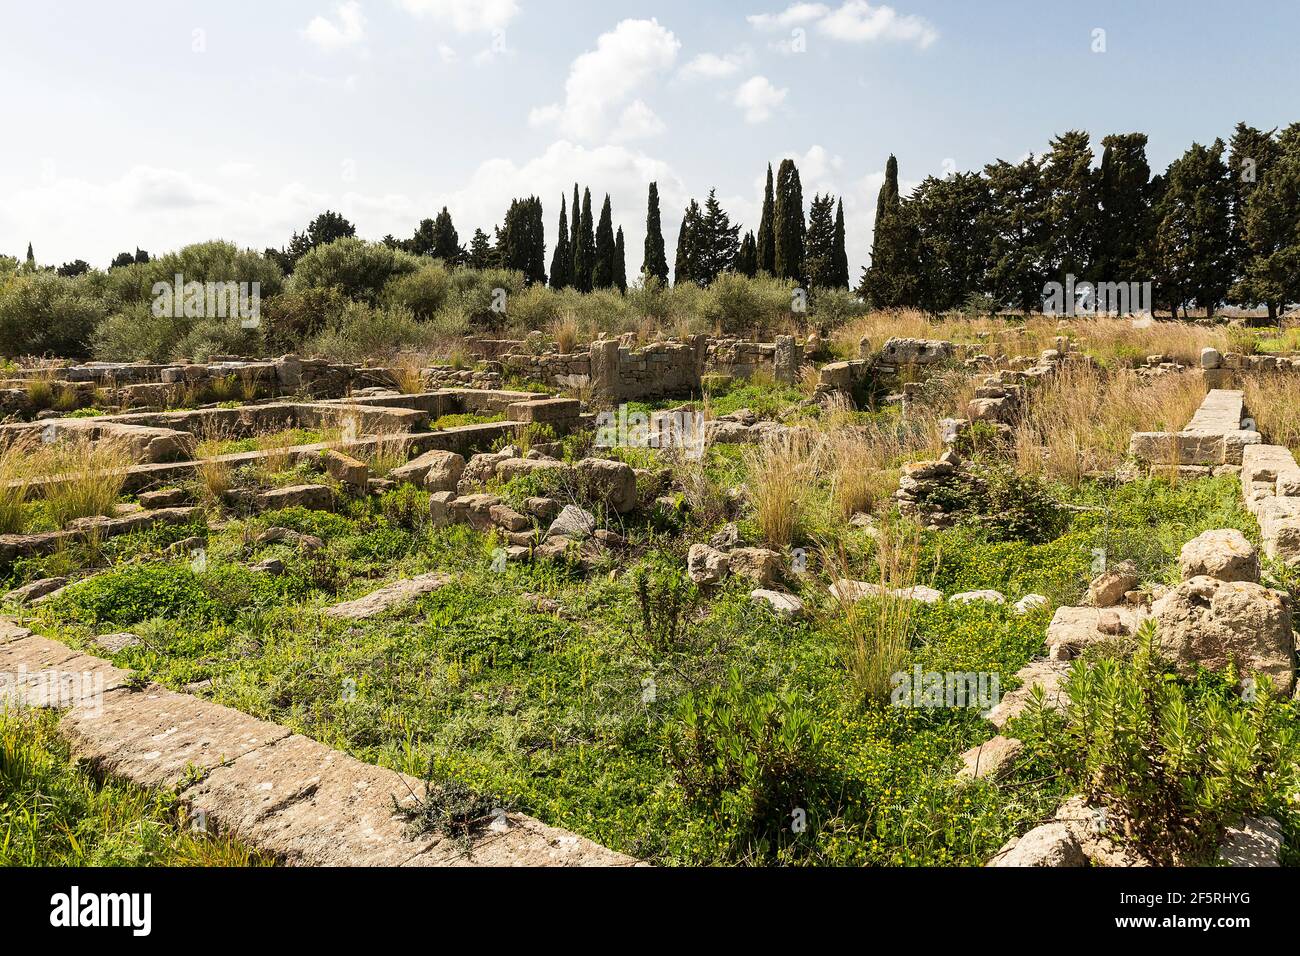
(1270, 484)
(1212, 443)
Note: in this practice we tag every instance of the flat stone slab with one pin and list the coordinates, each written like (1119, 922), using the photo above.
(154, 736)
(524, 842)
(387, 598)
(1040, 673)
(313, 805)
(36, 672)
(989, 759)
(1256, 843)
(1074, 628)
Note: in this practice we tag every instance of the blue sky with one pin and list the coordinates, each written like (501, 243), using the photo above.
(157, 123)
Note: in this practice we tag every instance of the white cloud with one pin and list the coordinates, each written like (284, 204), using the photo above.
(625, 59)
(447, 54)
(854, 21)
(465, 16)
(757, 98)
(857, 21)
(712, 66)
(797, 14)
(347, 29)
(638, 121)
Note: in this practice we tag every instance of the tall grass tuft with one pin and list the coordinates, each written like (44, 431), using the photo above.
(81, 478)
(780, 472)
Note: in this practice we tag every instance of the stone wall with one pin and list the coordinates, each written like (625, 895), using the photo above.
(1212, 442)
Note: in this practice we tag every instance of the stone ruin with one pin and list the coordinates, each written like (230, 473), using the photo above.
(1212, 443)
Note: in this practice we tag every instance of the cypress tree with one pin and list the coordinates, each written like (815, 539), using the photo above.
(522, 240)
(788, 224)
(747, 257)
(1072, 207)
(584, 258)
(766, 238)
(620, 262)
(1018, 227)
(840, 275)
(562, 259)
(446, 241)
(602, 270)
(1270, 215)
(31, 257)
(481, 253)
(655, 263)
(575, 241)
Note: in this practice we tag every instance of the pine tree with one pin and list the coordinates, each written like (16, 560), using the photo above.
(716, 242)
(1272, 221)
(819, 244)
(1125, 227)
(562, 259)
(602, 272)
(747, 257)
(1017, 234)
(1194, 229)
(620, 262)
(840, 275)
(655, 263)
(1072, 207)
(522, 240)
(954, 229)
(788, 224)
(446, 241)
(481, 253)
(687, 265)
(766, 238)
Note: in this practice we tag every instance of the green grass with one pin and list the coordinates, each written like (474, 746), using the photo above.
(571, 717)
(54, 812)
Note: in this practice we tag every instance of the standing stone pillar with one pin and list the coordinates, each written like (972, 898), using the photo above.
(604, 370)
(786, 360)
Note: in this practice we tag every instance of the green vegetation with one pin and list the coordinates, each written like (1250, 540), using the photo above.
(54, 812)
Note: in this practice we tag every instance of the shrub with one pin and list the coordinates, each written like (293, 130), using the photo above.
(215, 261)
(666, 600)
(1175, 764)
(295, 315)
(364, 332)
(42, 313)
(752, 759)
(358, 269)
(423, 291)
(737, 305)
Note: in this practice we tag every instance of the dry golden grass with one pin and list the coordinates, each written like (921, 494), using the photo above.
(1112, 341)
(1082, 419)
(565, 332)
(781, 472)
(407, 370)
(1272, 400)
(80, 478)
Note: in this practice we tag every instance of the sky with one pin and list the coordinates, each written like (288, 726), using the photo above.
(157, 123)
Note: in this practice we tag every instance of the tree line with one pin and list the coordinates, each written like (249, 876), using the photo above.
(1220, 225)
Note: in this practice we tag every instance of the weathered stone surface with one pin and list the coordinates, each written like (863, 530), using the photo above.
(706, 565)
(846, 590)
(1256, 843)
(1041, 673)
(35, 589)
(1073, 629)
(387, 598)
(727, 538)
(311, 497)
(572, 522)
(988, 597)
(613, 482)
(449, 466)
(116, 643)
(440, 508)
(1052, 844)
(990, 759)
(783, 605)
(760, 565)
(164, 498)
(1109, 587)
(1031, 602)
(1223, 554)
(1212, 623)
(346, 469)
(1211, 358)
(154, 736)
(506, 518)
(547, 509)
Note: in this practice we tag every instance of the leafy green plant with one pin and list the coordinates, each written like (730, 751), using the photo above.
(752, 759)
(452, 809)
(665, 600)
(1176, 764)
